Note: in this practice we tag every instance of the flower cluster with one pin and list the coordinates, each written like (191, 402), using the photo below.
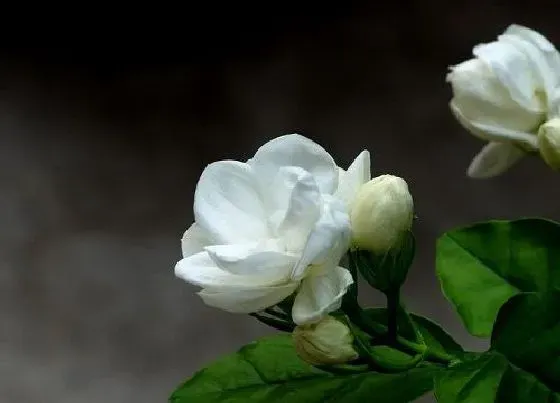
(286, 236)
(272, 231)
(509, 96)
(277, 226)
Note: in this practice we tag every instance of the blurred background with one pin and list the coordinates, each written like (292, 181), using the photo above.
(102, 141)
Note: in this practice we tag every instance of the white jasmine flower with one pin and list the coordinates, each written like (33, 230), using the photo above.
(504, 94)
(272, 226)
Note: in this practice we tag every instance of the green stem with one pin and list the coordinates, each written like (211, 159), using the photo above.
(357, 316)
(430, 355)
(393, 302)
(278, 324)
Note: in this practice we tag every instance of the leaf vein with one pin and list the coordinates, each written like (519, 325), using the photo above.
(490, 266)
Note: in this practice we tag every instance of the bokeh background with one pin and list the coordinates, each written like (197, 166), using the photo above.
(102, 142)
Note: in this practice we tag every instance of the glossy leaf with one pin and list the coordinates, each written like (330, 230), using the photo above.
(473, 381)
(270, 371)
(527, 332)
(523, 365)
(482, 266)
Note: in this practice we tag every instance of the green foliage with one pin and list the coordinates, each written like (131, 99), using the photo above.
(502, 277)
(270, 371)
(471, 381)
(482, 266)
(523, 364)
(420, 329)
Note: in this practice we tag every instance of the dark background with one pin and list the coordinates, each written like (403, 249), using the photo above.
(103, 137)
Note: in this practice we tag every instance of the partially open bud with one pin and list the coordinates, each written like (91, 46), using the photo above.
(381, 213)
(549, 142)
(327, 342)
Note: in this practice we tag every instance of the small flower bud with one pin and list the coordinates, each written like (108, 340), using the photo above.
(549, 143)
(327, 342)
(381, 213)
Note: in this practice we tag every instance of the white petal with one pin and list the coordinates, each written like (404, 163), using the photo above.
(302, 207)
(253, 260)
(514, 70)
(299, 151)
(541, 52)
(350, 181)
(479, 99)
(194, 240)
(494, 159)
(532, 36)
(320, 295)
(493, 130)
(328, 241)
(228, 203)
(200, 270)
(247, 300)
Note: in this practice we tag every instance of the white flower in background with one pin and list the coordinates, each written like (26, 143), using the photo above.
(272, 226)
(549, 143)
(504, 94)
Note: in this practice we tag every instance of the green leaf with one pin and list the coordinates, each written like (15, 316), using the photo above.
(523, 365)
(519, 386)
(491, 378)
(270, 371)
(436, 339)
(432, 335)
(476, 381)
(527, 332)
(397, 360)
(482, 266)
